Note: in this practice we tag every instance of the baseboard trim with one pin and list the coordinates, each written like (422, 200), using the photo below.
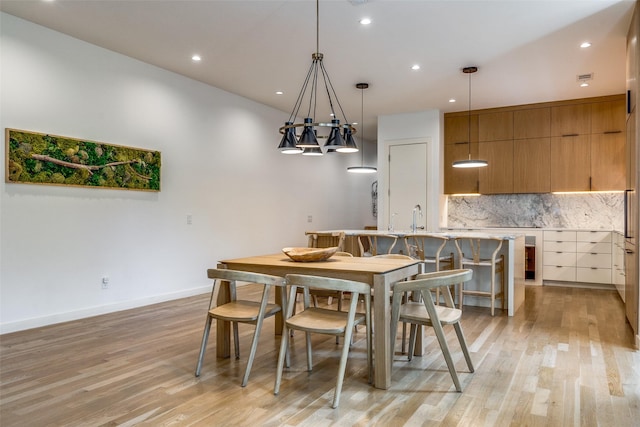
(583, 285)
(37, 322)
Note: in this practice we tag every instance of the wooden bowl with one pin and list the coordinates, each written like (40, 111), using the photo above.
(309, 254)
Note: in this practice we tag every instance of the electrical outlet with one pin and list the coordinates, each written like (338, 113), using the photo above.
(189, 219)
(105, 282)
(309, 218)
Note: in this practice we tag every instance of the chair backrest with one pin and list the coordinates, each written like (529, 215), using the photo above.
(393, 256)
(472, 246)
(233, 276)
(377, 242)
(425, 247)
(326, 239)
(324, 283)
(425, 282)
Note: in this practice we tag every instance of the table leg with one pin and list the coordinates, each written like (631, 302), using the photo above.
(381, 332)
(223, 329)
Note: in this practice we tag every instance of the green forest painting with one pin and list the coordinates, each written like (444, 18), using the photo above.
(37, 158)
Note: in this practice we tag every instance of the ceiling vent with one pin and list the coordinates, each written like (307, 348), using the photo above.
(584, 77)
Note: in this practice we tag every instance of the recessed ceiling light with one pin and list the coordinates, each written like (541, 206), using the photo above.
(584, 84)
(196, 58)
(452, 100)
(279, 92)
(365, 21)
(585, 45)
(415, 67)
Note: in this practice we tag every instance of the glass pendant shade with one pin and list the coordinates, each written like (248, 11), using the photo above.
(362, 169)
(288, 142)
(335, 138)
(308, 138)
(470, 163)
(350, 143)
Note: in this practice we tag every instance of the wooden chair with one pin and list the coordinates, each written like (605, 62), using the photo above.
(377, 244)
(429, 250)
(473, 259)
(326, 321)
(326, 239)
(241, 311)
(425, 312)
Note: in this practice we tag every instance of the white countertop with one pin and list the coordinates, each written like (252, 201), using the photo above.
(447, 233)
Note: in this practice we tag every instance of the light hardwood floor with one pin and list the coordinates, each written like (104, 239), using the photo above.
(565, 359)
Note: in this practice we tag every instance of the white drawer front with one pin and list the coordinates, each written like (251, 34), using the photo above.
(560, 235)
(593, 236)
(593, 275)
(594, 260)
(555, 246)
(567, 274)
(599, 248)
(564, 259)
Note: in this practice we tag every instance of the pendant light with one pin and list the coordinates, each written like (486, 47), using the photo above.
(340, 137)
(469, 163)
(362, 168)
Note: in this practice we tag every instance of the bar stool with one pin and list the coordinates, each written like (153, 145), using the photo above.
(495, 262)
(415, 245)
(377, 243)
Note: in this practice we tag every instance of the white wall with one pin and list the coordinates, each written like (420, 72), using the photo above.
(413, 127)
(220, 165)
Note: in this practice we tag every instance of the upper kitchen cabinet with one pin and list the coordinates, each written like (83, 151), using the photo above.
(531, 150)
(532, 123)
(608, 117)
(495, 126)
(571, 120)
(573, 145)
(457, 135)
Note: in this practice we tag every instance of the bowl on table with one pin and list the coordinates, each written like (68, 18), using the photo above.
(310, 254)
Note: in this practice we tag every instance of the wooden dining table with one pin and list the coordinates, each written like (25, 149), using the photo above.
(380, 273)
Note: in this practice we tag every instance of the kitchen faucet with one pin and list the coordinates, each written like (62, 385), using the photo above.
(417, 211)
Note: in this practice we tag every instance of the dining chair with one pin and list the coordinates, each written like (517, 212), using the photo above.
(423, 311)
(240, 310)
(378, 244)
(326, 321)
(428, 248)
(469, 256)
(326, 239)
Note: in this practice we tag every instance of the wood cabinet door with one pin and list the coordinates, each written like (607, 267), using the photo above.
(608, 117)
(570, 162)
(531, 168)
(495, 126)
(497, 178)
(608, 162)
(456, 129)
(532, 123)
(568, 120)
(459, 181)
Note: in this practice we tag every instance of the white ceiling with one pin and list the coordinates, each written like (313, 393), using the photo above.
(527, 51)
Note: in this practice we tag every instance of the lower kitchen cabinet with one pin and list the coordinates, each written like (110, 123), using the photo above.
(578, 256)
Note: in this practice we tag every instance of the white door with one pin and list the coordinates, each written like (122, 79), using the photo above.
(407, 184)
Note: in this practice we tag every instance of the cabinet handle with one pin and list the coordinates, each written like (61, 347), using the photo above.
(569, 134)
(629, 251)
(558, 252)
(608, 132)
(460, 143)
(594, 253)
(594, 268)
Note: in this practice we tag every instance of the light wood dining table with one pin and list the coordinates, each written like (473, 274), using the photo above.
(380, 273)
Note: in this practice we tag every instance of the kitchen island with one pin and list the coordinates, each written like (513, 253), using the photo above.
(512, 249)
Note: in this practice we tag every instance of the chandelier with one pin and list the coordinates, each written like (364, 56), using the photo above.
(340, 137)
(469, 163)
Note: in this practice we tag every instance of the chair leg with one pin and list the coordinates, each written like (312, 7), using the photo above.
(236, 340)
(343, 365)
(252, 352)
(284, 344)
(413, 332)
(203, 346)
(463, 345)
(309, 356)
(437, 327)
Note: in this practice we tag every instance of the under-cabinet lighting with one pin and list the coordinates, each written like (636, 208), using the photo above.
(588, 192)
(465, 195)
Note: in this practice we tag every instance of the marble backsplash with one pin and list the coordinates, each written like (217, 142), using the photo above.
(573, 211)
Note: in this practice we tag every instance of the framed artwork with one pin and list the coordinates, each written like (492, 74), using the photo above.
(38, 158)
